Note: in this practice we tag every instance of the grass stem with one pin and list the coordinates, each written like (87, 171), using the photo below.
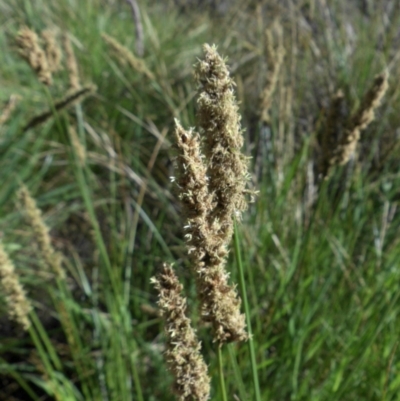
(243, 291)
(221, 374)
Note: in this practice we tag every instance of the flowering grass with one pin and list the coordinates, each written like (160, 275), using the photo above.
(319, 257)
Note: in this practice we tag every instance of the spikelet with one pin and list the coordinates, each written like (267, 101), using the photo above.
(18, 306)
(6, 113)
(219, 121)
(53, 50)
(30, 50)
(360, 120)
(219, 302)
(125, 55)
(70, 99)
(213, 194)
(79, 149)
(275, 61)
(183, 355)
(72, 65)
(33, 215)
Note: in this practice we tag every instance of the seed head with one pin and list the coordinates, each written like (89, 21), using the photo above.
(183, 355)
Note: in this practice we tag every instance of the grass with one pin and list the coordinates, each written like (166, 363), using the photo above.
(320, 261)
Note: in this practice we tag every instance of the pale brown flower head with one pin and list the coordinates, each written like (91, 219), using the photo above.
(126, 56)
(183, 356)
(18, 306)
(372, 99)
(275, 57)
(220, 304)
(10, 107)
(219, 121)
(79, 149)
(30, 50)
(52, 259)
(53, 50)
(213, 193)
(72, 65)
(342, 151)
(196, 200)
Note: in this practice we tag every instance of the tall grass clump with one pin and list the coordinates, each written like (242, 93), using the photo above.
(293, 297)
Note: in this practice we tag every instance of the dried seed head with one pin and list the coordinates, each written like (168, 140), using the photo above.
(18, 306)
(275, 60)
(6, 113)
(361, 119)
(126, 56)
(214, 193)
(30, 50)
(53, 50)
(183, 355)
(219, 121)
(220, 304)
(193, 182)
(79, 149)
(52, 259)
(72, 65)
(370, 102)
(331, 135)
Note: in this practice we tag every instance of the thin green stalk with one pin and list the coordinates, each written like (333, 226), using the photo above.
(237, 373)
(40, 338)
(243, 291)
(221, 374)
(19, 379)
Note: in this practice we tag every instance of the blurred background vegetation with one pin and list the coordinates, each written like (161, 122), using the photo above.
(322, 258)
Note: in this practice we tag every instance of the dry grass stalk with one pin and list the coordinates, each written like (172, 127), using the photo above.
(52, 259)
(18, 306)
(275, 60)
(70, 99)
(360, 120)
(30, 50)
(72, 65)
(79, 149)
(183, 356)
(138, 27)
(6, 114)
(53, 50)
(126, 56)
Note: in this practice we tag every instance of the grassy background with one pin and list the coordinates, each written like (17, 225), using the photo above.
(322, 264)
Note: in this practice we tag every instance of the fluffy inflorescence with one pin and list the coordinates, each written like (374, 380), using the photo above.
(53, 50)
(30, 50)
(220, 304)
(183, 356)
(18, 306)
(213, 189)
(52, 259)
(219, 121)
